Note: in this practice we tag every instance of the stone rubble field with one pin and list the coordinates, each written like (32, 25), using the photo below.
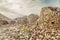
(33, 27)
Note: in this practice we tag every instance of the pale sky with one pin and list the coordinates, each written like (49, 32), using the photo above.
(18, 8)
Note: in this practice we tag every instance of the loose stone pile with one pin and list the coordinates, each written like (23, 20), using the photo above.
(47, 27)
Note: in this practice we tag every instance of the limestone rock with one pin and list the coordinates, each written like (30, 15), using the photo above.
(49, 17)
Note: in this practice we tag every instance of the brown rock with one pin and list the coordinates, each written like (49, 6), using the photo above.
(3, 22)
(50, 17)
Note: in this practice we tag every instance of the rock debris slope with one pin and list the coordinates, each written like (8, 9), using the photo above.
(46, 27)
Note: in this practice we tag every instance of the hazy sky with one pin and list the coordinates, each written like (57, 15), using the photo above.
(18, 8)
(52, 2)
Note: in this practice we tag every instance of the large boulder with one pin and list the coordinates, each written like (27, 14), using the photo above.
(49, 17)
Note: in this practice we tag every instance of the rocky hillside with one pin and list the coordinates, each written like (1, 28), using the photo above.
(5, 20)
(33, 27)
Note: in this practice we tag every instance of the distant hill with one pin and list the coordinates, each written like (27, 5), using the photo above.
(2, 17)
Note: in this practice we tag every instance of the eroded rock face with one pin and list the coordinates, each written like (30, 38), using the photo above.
(50, 17)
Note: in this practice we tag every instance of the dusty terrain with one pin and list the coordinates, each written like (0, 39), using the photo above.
(33, 27)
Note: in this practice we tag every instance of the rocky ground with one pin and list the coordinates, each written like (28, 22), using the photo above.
(33, 27)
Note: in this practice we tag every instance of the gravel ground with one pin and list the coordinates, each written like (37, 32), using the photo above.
(47, 27)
